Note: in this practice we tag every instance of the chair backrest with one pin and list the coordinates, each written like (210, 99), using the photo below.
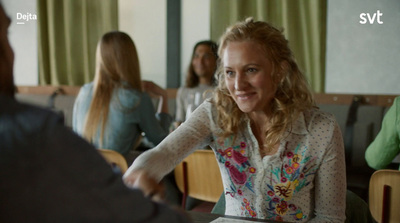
(198, 176)
(384, 195)
(114, 158)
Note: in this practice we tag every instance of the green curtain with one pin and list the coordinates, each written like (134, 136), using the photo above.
(303, 21)
(68, 32)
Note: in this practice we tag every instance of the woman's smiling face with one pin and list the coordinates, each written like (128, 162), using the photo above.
(248, 76)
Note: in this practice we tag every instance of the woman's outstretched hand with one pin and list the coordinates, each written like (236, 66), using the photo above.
(140, 179)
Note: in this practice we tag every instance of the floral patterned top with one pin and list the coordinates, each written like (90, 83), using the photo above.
(305, 180)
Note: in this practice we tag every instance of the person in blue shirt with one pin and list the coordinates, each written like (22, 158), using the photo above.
(112, 111)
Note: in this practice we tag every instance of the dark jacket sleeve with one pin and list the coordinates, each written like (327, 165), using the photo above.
(53, 175)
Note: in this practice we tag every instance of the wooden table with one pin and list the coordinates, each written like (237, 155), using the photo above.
(203, 217)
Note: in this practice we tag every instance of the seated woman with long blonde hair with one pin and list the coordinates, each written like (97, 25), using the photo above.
(113, 110)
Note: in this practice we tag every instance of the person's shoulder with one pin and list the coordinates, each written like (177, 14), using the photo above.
(182, 90)
(205, 87)
(210, 107)
(23, 114)
(128, 92)
(87, 87)
(143, 97)
(13, 105)
(397, 101)
(85, 90)
(318, 112)
(315, 115)
(129, 97)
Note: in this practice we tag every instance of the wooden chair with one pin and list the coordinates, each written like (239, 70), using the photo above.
(384, 196)
(115, 159)
(198, 176)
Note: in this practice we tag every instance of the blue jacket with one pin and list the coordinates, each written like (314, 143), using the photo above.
(131, 113)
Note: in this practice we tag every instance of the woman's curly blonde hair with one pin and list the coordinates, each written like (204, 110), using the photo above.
(293, 94)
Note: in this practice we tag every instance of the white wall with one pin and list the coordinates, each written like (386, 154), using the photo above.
(23, 40)
(195, 27)
(145, 21)
(363, 58)
(360, 58)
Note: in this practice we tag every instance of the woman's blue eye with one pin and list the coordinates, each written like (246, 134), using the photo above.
(229, 73)
(252, 70)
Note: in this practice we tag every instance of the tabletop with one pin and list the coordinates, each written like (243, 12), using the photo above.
(204, 217)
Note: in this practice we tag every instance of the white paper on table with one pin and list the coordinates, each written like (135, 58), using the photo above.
(229, 220)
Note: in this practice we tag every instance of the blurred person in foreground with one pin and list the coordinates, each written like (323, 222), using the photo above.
(280, 157)
(49, 174)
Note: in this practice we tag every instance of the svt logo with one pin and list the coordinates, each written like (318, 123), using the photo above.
(371, 18)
